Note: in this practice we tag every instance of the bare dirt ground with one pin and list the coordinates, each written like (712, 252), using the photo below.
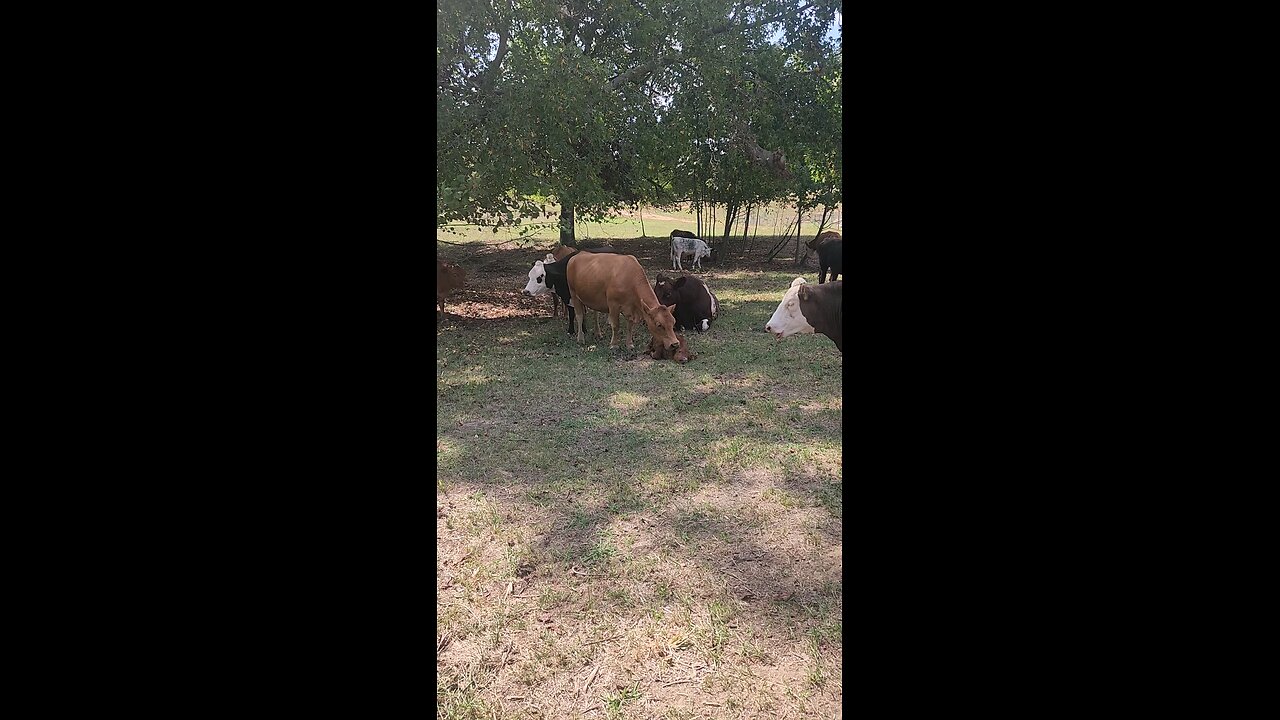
(496, 274)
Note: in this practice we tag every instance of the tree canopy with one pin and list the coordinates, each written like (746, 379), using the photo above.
(603, 104)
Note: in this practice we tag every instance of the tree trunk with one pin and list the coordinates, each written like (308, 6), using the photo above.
(746, 225)
(730, 214)
(642, 235)
(698, 210)
(799, 229)
(566, 225)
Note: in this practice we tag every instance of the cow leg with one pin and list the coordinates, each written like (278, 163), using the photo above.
(822, 274)
(555, 305)
(578, 319)
(599, 332)
(613, 325)
(631, 328)
(569, 313)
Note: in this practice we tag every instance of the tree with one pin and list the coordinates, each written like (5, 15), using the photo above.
(601, 104)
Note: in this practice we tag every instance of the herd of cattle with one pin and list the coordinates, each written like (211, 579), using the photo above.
(615, 285)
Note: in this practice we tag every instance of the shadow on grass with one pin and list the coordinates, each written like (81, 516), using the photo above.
(584, 444)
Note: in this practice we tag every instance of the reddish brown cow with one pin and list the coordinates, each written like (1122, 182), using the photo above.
(616, 284)
(682, 356)
(449, 277)
(823, 237)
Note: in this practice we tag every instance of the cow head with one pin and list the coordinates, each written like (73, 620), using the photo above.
(665, 288)
(537, 280)
(662, 324)
(788, 320)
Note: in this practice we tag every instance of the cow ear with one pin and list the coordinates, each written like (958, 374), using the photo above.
(672, 308)
(804, 292)
(679, 282)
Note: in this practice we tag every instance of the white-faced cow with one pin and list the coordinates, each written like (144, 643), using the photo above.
(550, 277)
(449, 277)
(696, 305)
(808, 309)
(616, 284)
(681, 246)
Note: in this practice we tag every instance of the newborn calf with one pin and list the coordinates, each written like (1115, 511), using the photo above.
(658, 351)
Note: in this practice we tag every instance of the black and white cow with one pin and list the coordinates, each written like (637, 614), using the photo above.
(547, 276)
(810, 309)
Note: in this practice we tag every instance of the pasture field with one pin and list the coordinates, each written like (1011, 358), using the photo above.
(619, 537)
(769, 220)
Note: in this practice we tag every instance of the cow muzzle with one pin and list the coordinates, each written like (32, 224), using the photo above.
(526, 292)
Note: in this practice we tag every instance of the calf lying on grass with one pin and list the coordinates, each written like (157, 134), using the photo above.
(658, 351)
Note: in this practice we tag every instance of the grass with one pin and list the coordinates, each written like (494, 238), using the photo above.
(658, 222)
(671, 534)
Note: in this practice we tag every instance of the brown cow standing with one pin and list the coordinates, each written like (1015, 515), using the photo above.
(449, 277)
(682, 356)
(616, 284)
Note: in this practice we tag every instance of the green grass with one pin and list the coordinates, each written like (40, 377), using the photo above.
(631, 505)
(658, 222)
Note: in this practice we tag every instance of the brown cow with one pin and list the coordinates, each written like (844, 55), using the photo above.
(616, 284)
(561, 252)
(682, 356)
(449, 277)
(822, 237)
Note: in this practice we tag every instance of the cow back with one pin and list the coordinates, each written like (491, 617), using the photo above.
(822, 238)
(831, 254)
(563, 251)
(596, 276)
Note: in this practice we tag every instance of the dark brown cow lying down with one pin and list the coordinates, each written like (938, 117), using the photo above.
(696, 305)
(449, 277)
(682, 356)
(616, 284)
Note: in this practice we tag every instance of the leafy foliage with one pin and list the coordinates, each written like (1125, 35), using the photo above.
(602, 104)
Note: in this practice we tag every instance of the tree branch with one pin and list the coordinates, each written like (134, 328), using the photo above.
(491, 72)
(641, 71)
(775, 161)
